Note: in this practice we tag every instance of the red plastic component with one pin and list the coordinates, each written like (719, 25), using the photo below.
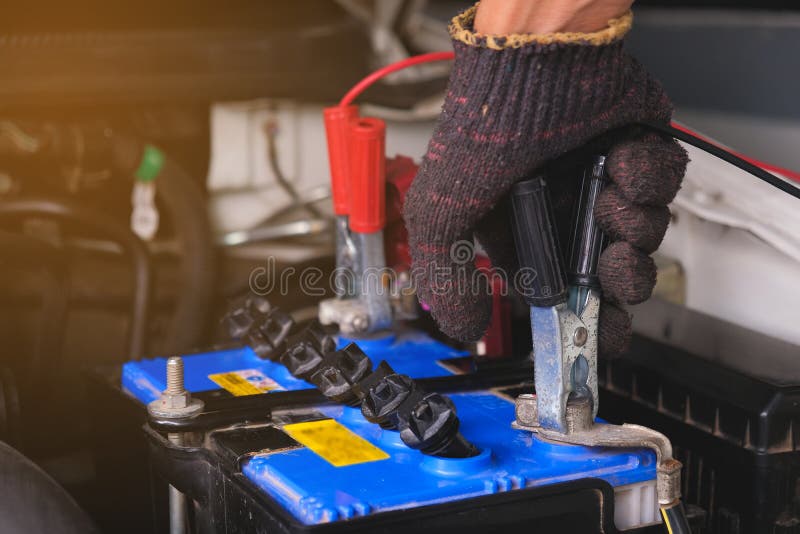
(497, 339)
(367, 175)
(400, 172)
(337, 130)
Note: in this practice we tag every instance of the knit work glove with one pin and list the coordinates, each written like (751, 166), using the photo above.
(524, 104)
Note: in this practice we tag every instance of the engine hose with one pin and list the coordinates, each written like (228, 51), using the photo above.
(46, 362)
(106, 225)
(183, 199)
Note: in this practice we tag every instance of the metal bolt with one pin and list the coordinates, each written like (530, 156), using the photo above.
(526, 410)
(579, 336)
(578, 415)
(175, 384)
(360, 323)
(668, 481)
(175, 401)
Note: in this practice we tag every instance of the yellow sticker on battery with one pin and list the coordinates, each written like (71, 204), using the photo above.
(245, 382)
(335, 443)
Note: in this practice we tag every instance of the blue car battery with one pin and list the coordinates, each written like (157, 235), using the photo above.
(324, 468)
(309, 465)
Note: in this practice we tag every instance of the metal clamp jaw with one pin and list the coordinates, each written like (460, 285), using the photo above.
(565, 358)
(563, 318)
(363, 305)
(564, 324)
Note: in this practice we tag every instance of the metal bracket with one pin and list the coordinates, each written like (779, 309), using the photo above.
(351, 315)
(582, 431)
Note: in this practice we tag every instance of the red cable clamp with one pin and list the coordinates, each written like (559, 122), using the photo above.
(337, 126)
(367, 141)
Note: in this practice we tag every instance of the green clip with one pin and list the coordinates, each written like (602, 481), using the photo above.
(150, 165)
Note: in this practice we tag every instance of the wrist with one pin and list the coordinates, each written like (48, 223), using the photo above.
(463, 29)
(499, 17)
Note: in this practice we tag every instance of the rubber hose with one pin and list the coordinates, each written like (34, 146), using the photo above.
(30, 254)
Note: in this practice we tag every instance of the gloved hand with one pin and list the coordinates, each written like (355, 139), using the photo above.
(522, 104)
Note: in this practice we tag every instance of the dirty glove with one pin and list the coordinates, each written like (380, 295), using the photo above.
(521, 104)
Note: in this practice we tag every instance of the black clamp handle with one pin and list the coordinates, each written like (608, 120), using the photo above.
(587, 240)
(542, 273)
(536, 238)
